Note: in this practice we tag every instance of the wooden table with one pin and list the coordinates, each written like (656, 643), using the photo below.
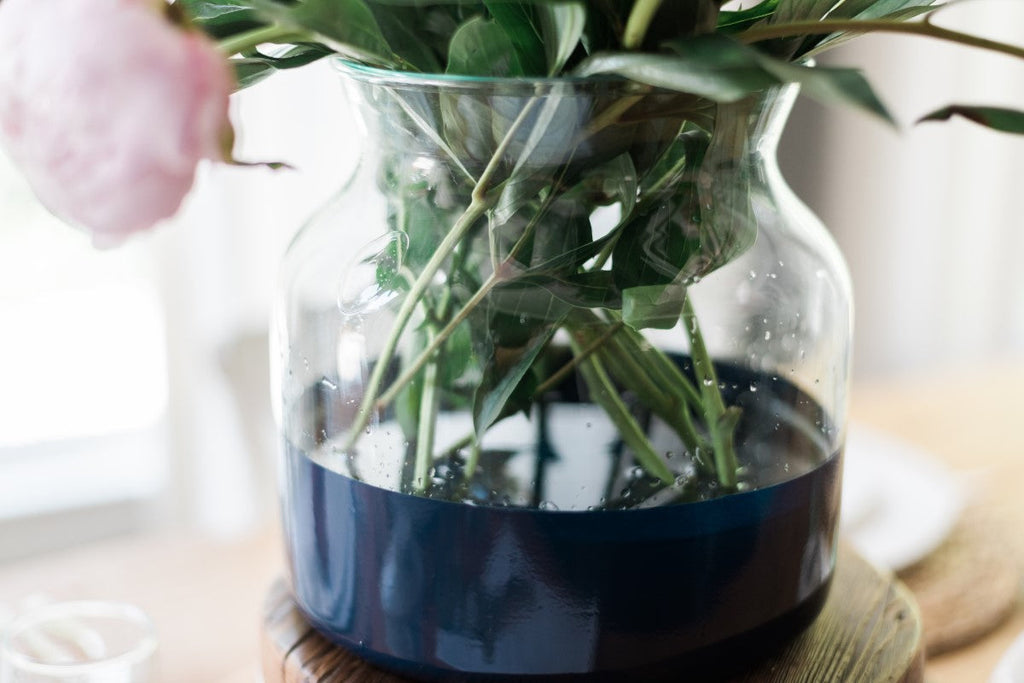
(206, 597)
(868, 631)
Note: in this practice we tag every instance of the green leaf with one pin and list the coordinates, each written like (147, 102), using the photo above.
(725, 70)
(457, 355)
(864, 10)
(222, 18)
(562, 27)
(657, 306)
(346, 26)
(801, 10)
(480, 47)
(519, 22)
(250, 72)
(500, 383)
(831, 85)
(738, 20)
(550, 296)
(996, 118)
(401, 28)
(726, 61)
(256, 66)
(711, 69)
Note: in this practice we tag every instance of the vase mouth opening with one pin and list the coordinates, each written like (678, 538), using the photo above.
(381, 76)
(513, 85)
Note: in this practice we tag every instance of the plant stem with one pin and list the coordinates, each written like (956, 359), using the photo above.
(919, 28)
(639, 20)
(405, 311)
(577, 358)
(720, 421)
(274, 33)
(603, 393)
(435, 343)
(426, 427)
(478, 206)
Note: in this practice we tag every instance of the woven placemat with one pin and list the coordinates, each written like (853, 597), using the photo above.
(970, 584)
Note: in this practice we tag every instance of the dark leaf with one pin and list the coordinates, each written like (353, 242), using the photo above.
(864, 10)
(545, 296)
(222, 18)
(997, 118)
(562, 26)
(501, 380)
(738, 20)
(520, 23)
(254, 67)
(401, 28)
(347, 26)
(657, 306)
(480, 47)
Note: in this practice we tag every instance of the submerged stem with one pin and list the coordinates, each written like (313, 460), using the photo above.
(426, 426)
(478, 206)
(604, 394)
(720, 420)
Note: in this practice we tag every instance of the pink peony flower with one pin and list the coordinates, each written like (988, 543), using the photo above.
(107, 106)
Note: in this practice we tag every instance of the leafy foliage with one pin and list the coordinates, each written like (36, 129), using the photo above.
(520, 169)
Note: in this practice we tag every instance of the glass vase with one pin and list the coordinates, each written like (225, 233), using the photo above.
(561, 381)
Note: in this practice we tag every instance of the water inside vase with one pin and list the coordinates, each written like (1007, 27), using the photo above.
(566, 455)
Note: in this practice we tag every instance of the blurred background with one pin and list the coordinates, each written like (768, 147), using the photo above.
(133, 382)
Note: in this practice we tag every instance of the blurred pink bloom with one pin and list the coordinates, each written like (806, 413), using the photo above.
(106, 106)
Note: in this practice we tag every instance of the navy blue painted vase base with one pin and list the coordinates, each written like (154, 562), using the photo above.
(713, 663)
(443, 590)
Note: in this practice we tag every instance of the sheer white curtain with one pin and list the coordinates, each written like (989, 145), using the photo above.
(931, 218)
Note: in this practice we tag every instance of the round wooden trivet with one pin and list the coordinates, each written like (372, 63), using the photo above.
(869, 631)
(969, 585)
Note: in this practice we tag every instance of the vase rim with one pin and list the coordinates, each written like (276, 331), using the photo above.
(374, 74)
(526, 85)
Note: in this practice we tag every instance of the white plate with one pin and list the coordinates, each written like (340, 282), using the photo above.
(899, 502)
(1011, 667)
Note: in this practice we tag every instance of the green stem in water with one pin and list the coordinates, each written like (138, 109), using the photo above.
(426, 426)
(604, 393)
(477, 208)
(564, 371)
(721, 421)
(918, 28)
(640, 19)
(409, 373)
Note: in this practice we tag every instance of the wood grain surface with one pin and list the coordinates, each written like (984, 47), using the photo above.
(868, 632)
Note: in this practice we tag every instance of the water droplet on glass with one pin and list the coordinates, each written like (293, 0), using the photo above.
(547, 505)
(753, 388)
(767, 335)
(328, 384)
(708, 383)
(636, 472)
(753, 274)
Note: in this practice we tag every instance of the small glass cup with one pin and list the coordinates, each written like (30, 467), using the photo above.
(80, 642)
